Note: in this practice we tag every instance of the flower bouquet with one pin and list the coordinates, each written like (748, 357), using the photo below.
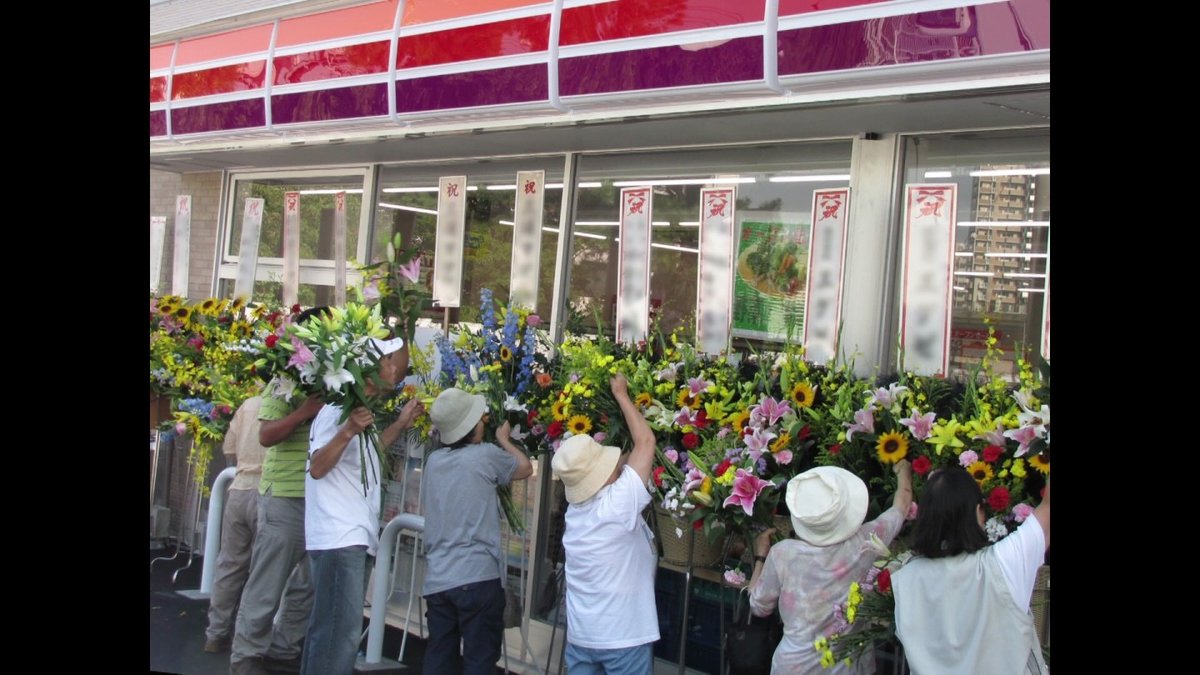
(867, 617)
(395, 284)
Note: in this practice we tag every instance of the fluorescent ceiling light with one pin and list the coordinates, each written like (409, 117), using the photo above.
(330, 192)
(689, 223)
(960, 288)
(964, 254)
(589, 235)
(684, 181)
(1004, 223)
(1011, 172)
(938, 174)
(1027, 291)
(598, 223)
(974, 274)
(824, 178)
(676, 248)
(502, 187)
(401, 207)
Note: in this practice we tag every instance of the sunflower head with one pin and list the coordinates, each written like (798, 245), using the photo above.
(803, 395)
(892, 447)
(505, 353)
(579, 424)
(1040, 463)
(182, 313)
(981, 472)
(781, 442)
(738, 420)
(643, 400)
(209, 306)
(559, 410)
(685, 398)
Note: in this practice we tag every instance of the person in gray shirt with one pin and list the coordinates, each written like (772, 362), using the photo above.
(465, 568)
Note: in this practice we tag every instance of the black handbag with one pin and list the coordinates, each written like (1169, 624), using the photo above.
(750, 644)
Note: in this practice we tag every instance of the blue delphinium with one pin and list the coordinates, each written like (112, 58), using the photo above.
(488, 317)
(525, 374)
(452, 363)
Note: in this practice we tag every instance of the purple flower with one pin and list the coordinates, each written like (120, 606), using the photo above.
(735, 577)
(920, 425)
(745, 491)
(599, 436)
(1021, 512)
(995, 437)
(697, 385)
(758, 441)
(371, 292)
(533, 320)
(863, 421)
(685, 417)
(302, 357)
(967, 458)
(412, 270)
(671, 454)
(771, 410)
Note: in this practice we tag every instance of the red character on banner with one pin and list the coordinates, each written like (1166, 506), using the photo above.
(636, 203)
(451, 189)
(716, 206)
(292, 200)
(830, 206)
(931, 202)
(530, 187)
(183, 206)
(341, 200)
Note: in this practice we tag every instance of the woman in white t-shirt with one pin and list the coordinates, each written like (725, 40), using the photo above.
(962, 606)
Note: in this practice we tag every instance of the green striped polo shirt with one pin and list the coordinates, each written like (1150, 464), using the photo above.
(284, 468)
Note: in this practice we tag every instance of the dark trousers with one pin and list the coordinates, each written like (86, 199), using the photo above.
(472, 616)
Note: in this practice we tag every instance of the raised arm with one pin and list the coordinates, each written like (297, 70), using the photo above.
(322, 461)
(524, 466)
(403, 421)
(641, 459)
(904, 490)
(273, 432)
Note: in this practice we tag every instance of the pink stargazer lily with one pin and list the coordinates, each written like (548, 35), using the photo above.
(685, 417)
(1024, 436)
(886, 397)
(994, 437)
(694, 479)
(746, 487)
(758, 442)
(920, 425)
(772, 410)
(411, 271)
(697, 385)
(863, 421)
(302, 357)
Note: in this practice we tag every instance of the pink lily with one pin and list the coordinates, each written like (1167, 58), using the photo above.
(994, 437)
(920, 425)
(694, 479)
(772, 410)
(745, 491)
(302, 357)
(411, 271)
(886, 397)
(685, 417)
(863, 421)
(1024, 436)
(758, 441)
(697, 385)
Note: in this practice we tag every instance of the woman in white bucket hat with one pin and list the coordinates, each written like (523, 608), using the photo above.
(805, 577)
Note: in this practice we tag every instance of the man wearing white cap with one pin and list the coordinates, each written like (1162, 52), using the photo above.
(806, 577)
(341, 526)
(612, 621)
(465, 567)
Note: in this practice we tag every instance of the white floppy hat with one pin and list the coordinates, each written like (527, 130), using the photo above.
(827, 504)
(584, 466)
(455, 412)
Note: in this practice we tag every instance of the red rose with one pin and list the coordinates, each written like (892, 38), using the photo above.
(658, 472)
(296, 308)
(722, 468)
(922, 465)
(271, 340)
(884, 581)
(998, 498)
(555, 430)
(992, 453)
(533, 414)
(837, 447)
(690, 441)
(804, 433)
(702, 419)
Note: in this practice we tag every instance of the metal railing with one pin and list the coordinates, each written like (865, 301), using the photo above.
(383, 571)
(212, 530)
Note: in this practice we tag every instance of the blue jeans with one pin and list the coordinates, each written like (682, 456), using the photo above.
(637, 660)
(473, 615)
(335, 628)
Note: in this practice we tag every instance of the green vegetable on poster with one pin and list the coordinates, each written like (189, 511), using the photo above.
(770, 277)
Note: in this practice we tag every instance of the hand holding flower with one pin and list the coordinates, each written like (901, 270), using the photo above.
(360, 419)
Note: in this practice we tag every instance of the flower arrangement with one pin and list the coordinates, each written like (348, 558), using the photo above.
(867, 615)
(395, 284)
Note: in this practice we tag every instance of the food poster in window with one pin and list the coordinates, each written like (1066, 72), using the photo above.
(769, 276)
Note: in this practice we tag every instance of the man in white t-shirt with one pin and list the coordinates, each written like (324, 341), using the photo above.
(341, 524)
(612, 622)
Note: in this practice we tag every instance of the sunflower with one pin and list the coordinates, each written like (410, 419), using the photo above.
(237, 304)
(1040, 463)
(892, 447)
(182, 313)
(505, 353)
(686, 398)
(738, 421)
(781, 442)
(579, 424)
(643, 400)
(559, 410)
(981, 472)
(209, 306)
(803, 395)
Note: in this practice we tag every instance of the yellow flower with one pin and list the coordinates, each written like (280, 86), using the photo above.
(892, 447)
(505, 353)
(183, 314)
(1040, 463)
(706, 486)
(827, 660)
(945, 434)
(643, 400)
(981, 472)
(738, 421)
(715, 412)
(802, 395)
(821, 644)
(727, 477)
(851, 612)
(781, 442)
(209, 306)
(685, 398)
(579, 424)
(559, 409)
(1018, 468)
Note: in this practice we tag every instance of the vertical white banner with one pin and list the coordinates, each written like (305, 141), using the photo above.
(927, 277)
(183, 245)
(243, 286)
(1046, 306)
(451, 232)
(339, 249)
(158, 239)
(527, 238)
(826, 260)
(291, 248)
(714, 287)
(633, 271)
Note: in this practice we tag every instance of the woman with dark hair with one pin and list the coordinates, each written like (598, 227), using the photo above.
(962, 606)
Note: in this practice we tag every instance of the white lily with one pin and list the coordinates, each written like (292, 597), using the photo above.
(334, 377)
(516, 434)
(512, 404)
(876, 544)
(285, 387)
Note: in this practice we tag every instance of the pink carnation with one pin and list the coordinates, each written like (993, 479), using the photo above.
(968, 457)
(1021, 512)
